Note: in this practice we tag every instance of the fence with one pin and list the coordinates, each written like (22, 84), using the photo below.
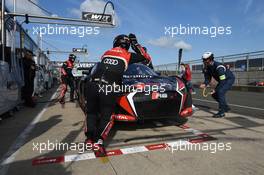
(248, 67)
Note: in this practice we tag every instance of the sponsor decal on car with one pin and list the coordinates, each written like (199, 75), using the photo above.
(157, 95)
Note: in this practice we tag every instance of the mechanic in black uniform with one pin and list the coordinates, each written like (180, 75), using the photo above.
(29, 67)
(223, 76)
(67, 78)
(107, 73)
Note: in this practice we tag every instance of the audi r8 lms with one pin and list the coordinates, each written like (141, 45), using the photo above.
(152, 96)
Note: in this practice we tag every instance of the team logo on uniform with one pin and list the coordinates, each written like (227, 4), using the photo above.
(111, 61)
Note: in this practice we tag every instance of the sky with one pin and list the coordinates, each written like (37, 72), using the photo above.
(240, 25)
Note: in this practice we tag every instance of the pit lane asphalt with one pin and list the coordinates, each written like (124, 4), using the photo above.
(245, 103)
(245, 133)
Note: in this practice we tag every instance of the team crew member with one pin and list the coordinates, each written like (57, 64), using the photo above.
(107, 73)
(29, 76)
(67, 78)
(223, 76)
(186, 75)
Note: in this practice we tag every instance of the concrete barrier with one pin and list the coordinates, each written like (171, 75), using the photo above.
(241, 82)
(248, 88)
(242, 88)
(242, 78)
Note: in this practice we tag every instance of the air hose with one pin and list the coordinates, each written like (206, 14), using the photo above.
(206, 93)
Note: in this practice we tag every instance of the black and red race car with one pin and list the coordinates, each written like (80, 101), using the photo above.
(153, 96)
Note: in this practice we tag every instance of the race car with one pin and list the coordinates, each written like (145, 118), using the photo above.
(152, 96)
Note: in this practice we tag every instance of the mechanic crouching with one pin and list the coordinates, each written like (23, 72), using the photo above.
(104, 76)
(67, 78)
(223, 76)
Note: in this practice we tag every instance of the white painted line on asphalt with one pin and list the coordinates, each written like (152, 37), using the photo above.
(134, 150)
(200, 137)
(240, 106)
(78, 157)
(194, 131)
(9, 157)
(178, 143)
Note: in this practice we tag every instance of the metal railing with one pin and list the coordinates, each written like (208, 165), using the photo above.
(247, 67)
(251, 61)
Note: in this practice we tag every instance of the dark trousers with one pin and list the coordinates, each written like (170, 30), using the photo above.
(220, 92)
(27, 92)
(189, 86)
(71, 84)
(46, 85)
(99, 109)
(65, 82)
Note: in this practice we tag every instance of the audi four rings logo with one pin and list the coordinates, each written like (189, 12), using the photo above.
(110, 61)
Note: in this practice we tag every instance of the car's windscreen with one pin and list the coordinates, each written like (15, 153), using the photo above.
(139, 69)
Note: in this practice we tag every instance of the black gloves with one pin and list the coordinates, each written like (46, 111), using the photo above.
(133, 39)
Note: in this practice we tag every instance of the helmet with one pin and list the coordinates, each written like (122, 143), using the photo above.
(208, 55)
(72, 57)
(122, 41)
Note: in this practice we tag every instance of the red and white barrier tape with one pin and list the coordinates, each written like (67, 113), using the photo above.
(199, 137)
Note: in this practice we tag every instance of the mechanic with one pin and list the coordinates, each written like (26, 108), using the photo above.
(107, 73)
(67, 78)
(223, 76)
(186, 75)
(29, 67)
